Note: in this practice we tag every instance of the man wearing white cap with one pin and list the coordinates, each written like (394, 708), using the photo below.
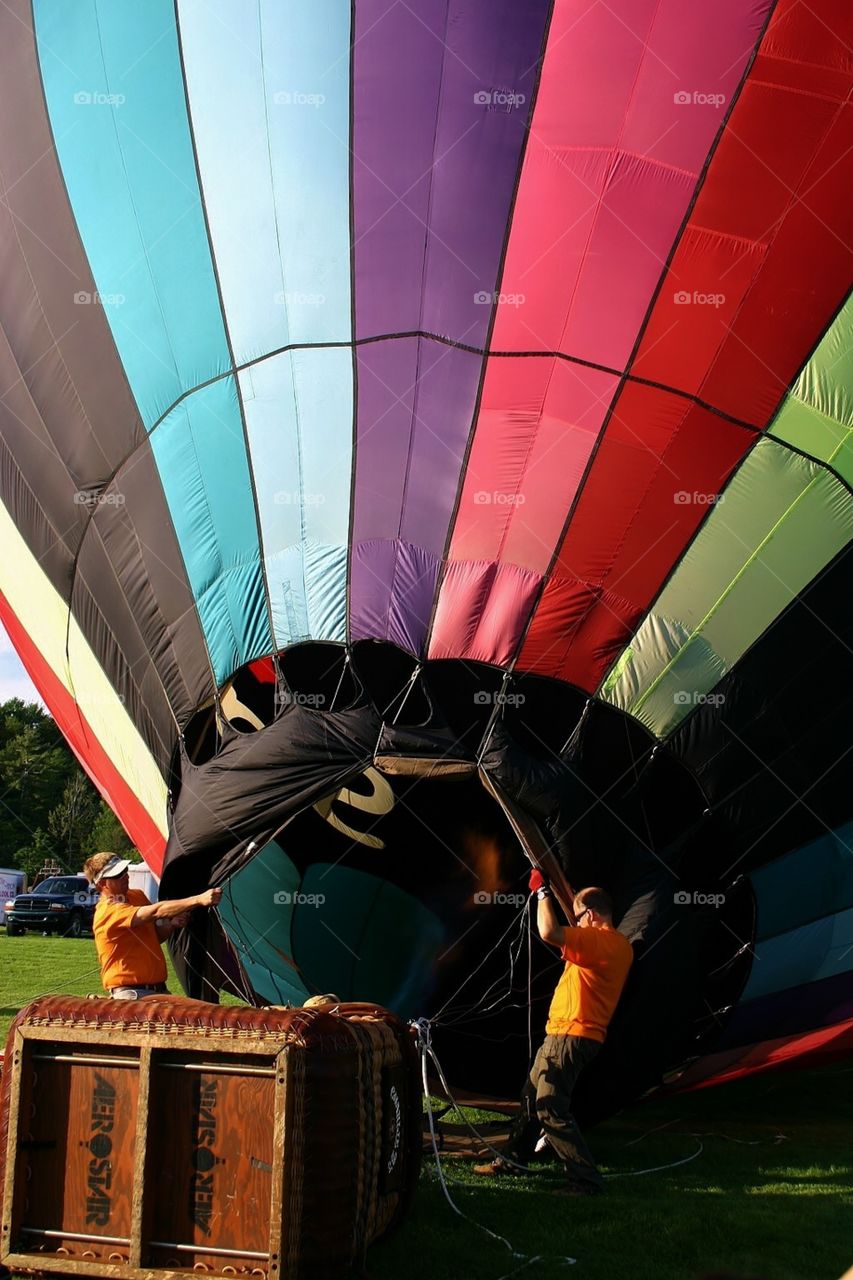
(129, 929)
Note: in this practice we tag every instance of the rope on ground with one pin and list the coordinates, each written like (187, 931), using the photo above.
(658, 1168)
(727, 1137)
(427, 1049)
(424, 1034)
(657, 1129)
(425, 1042)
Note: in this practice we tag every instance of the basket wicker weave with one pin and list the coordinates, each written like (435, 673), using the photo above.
(165, 1135)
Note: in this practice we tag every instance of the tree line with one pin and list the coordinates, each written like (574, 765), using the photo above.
(49, 810)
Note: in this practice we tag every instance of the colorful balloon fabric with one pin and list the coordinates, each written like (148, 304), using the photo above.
(426, 432)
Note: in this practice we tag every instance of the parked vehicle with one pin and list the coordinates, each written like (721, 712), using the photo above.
(12, 882)
(60, 904)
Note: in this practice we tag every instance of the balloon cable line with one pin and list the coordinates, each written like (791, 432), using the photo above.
(344, 669)
(65, 991)
(638, 781)
(479, 1009)
(422, 1028)
(423, 1031)
(204, 978)
(464, 1013)
(529, 986)
(495, 715)
(437, 1017)
(250, 997)
(401, 696)
(246, 991)
(572, 745)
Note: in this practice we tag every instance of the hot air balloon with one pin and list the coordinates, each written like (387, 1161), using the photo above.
(426, 440)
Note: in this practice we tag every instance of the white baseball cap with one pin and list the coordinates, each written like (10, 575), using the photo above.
(114, 868)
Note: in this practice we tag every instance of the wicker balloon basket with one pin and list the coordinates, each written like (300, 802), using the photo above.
(165, 1136)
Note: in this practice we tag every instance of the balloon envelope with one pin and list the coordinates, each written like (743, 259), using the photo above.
(425, 434)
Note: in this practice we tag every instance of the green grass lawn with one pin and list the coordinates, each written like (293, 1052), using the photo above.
(31, 966)
(780, 1209)
(771, 1194)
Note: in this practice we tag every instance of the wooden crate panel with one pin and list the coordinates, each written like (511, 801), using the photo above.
(149, 1139)
(76, 1152)
(211, 1144)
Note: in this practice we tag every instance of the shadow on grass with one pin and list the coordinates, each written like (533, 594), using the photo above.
(770, 1196)
(664, 1230)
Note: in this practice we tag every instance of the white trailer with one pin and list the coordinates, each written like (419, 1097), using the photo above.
(12, 882)
(140, 876)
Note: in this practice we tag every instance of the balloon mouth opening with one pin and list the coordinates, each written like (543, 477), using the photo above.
(378, 892)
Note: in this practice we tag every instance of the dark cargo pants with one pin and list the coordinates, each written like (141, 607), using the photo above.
(546, 1106)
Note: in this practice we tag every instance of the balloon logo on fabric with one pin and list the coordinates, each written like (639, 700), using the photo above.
(379, 801)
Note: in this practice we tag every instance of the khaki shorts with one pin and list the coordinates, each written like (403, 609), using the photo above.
(136, 993)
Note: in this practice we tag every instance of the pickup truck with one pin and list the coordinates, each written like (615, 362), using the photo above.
(60, 904)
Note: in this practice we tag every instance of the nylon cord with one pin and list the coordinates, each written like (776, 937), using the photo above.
(424, 1034)
(479, 1007)
(513, 923)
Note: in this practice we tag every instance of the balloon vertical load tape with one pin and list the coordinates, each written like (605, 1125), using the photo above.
(166, 1135)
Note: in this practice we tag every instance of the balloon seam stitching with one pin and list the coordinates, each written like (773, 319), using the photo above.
(792, 448)
(485, 353)
(641, 331)
(413, 422)
(227, 333)
(352, 343)
(123, 374)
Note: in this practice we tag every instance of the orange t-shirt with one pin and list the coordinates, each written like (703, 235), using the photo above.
(597, 964)
(128, 957)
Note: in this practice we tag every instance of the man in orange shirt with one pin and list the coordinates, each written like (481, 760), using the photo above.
(129, 929)
(597, 958)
